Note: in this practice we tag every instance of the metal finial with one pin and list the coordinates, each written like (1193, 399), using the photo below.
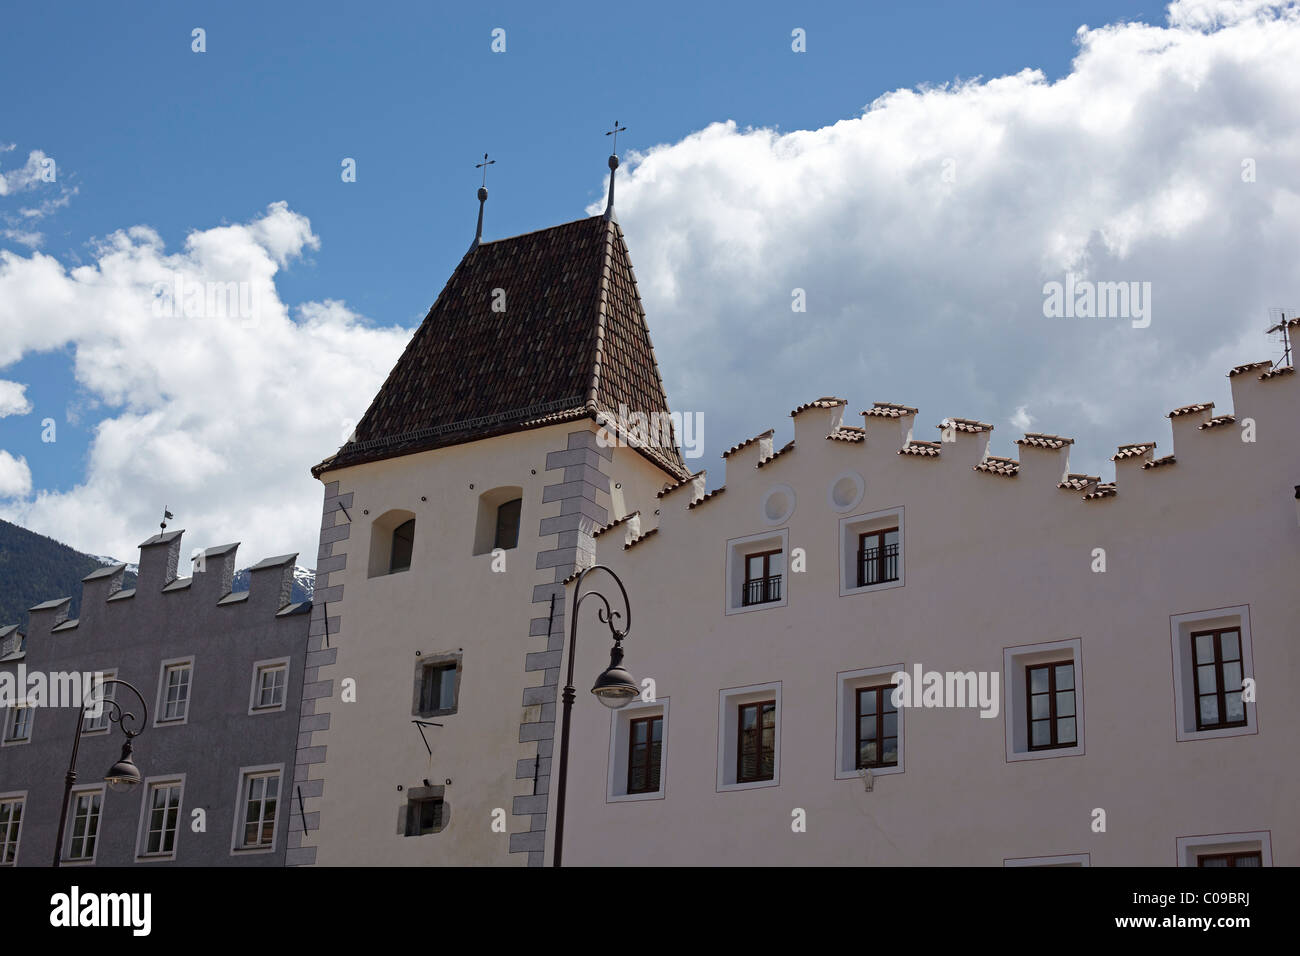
(613, 165)
(482, 198)
(166, 514)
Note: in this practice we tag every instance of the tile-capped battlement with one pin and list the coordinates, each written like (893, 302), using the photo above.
(765, 436)
(1042, 440)
(1191, 409)
(923, 449)
(1136, 449)
(826, 401)
(889, 410)
(968, 425)
(997, 465)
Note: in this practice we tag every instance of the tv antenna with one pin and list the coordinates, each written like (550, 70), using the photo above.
(1282, 320)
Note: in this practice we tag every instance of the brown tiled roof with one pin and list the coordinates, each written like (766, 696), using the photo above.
(775, 455)
(926, 449)
(1078, 482)
(1191, 409)
(1040, 440)
(1280, 370)
(826, 401)
(637, 540)
(1249, 367)
(1159, 462)
(571, 344)
(997, 465)
(747, 442)
(1106, 490)
(712, 494)
(673, 487)
(967, 425)
(849, 433)
(614, 524)
(1216, 421)
(889, 410)
(1133, 450)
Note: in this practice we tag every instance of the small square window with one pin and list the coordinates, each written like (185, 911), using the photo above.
(11, 825)
(749, 738)
(83, 828)
(259, 802)
(756, 572)
(437, 685)
(1213, 668)
(18, 724)
(98, 723)
(174, 691)
(424, 816)
(871, 552)
(1043, 689)
(270, 686)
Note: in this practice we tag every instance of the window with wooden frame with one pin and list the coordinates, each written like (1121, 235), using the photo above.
(644, 753)
(1249, 858)
(162, 809)
(763, 571)
(438, 688)
(1050, 693)
(756, 741)
(877, 557)
(1217, 678)
(877, 727)
(86, 807)
(18, 726)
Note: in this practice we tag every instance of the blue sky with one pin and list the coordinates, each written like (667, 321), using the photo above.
(146, 132)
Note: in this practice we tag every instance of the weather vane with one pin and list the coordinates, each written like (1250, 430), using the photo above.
(166, 515)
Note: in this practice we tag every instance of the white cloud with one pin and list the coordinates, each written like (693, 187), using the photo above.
(923, 231)
(13, 399)
(27, 176)
(1022, 419)
(219, 418)
(15, 476)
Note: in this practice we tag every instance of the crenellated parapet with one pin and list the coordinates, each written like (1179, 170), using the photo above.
(270, 587)
(1206, 440)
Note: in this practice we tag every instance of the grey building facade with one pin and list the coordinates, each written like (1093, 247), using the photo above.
(222, 674)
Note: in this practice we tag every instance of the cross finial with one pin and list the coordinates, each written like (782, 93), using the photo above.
(613, 165)
(483, 166)
(482, 198)
(614, 132)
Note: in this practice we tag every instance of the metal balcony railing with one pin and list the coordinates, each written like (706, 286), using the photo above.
(877, 565)
(761, 591)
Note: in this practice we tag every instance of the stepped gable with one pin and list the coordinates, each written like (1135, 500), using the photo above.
(571, 343)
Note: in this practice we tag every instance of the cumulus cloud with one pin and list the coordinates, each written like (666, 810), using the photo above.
(922, 233)
(15, 476)
(216, 398)
(13, 399)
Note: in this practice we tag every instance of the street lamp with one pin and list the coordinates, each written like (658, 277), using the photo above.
(124, 774)
(614, 688)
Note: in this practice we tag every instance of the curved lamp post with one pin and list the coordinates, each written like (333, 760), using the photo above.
(614, 688)
(124, 774)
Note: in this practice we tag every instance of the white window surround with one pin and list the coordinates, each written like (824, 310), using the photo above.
(1065, 859)
(16, 796)
(10, 723)
(847, 683)
(737, 548)
(146, 807)
(845, 491)
(620, 720)
(855, 525)
(1181, 627)
(777, 505)
(241, 809)
(255, 693)
(729, 700)
(1191, 847)
(77, 793)
(1015, 706)
(161, 702)
(94, 727)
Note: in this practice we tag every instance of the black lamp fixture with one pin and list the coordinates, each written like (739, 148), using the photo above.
(123, 775)
(615, 687)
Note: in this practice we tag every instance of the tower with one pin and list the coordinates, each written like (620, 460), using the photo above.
(471, 488)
